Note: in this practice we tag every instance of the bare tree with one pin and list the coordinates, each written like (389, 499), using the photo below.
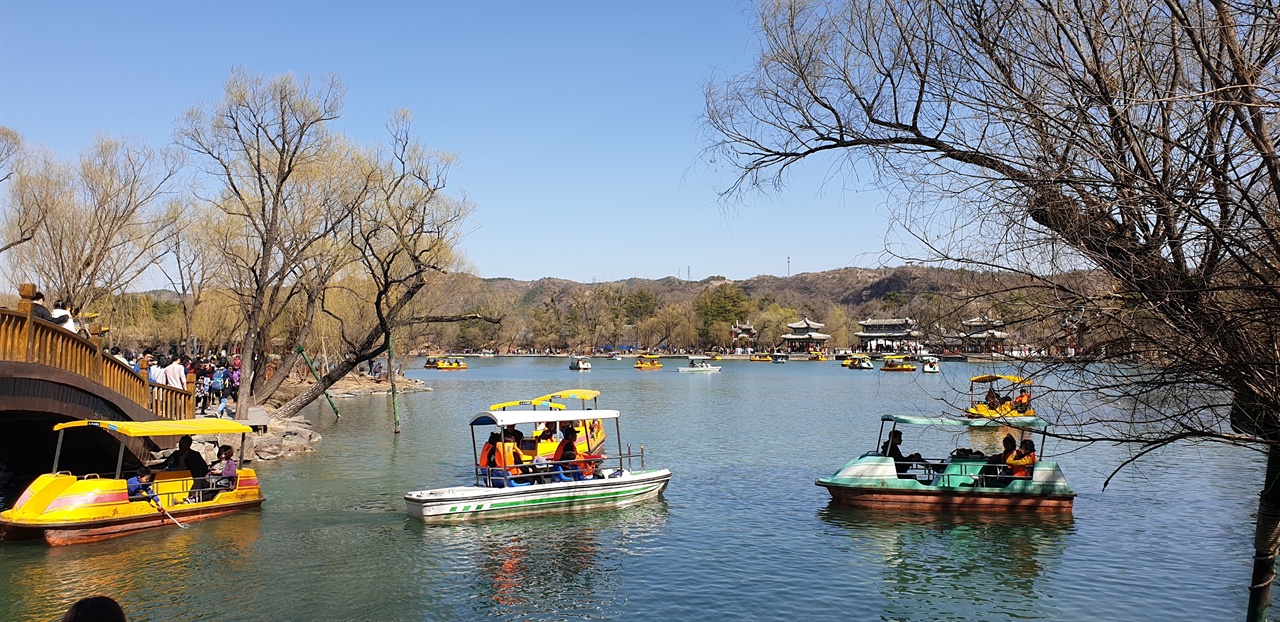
(405, 232)
(1135, 137)
(101, 223)
(19, 220)
(285, 180)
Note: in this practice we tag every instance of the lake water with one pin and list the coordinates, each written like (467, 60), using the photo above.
(742, 531)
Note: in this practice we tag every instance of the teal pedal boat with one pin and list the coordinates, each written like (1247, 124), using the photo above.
(966, 480)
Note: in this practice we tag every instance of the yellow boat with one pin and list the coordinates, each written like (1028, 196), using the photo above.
(447, 364)
(712, 356)
(815, 355)
(858, 361)
(647, 361)
(761, 358)
(591, 434)
(981, 407)
(897, 362)
(69, 509)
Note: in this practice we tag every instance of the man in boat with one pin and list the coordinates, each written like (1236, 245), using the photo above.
(1023, 401)
(568, 450)
(139, 486)
(904, 463)
(185, 459)
(993, 398)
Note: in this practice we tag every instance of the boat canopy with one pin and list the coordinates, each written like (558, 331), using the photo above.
(995, 377)
(895, 357)
(984, 422)
(161, 428)
(568, 394)
(534, 403)
(650, 356)
(515, 417)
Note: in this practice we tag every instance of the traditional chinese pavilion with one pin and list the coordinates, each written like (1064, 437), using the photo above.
(804, 337)
(889, 335)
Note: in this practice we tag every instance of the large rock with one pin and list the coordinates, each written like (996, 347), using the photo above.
(268, 447)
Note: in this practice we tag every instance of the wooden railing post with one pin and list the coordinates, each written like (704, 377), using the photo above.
(95, 338)
(191, 399)
(26, 306)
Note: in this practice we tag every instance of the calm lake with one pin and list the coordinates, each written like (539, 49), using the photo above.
(742, 532)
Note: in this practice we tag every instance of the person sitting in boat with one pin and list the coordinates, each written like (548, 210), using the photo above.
(139, 486)
(224, 471)
(1023, 401)
(565, 452)
(509, 457)
(993, 398)
(995, 468)
(186, 459)
(1022, 461)
(901, 462)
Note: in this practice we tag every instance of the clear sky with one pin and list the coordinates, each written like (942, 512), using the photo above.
(576, 123)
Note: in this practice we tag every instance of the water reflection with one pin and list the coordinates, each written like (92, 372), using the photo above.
(563, 566)
(152, 568)
(955, 565)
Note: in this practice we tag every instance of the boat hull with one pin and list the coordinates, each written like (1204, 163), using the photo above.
(932, 501)
(872, 481)
(447, 505)
(94, 531)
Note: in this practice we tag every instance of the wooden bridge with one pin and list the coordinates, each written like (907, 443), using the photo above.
(49, 375)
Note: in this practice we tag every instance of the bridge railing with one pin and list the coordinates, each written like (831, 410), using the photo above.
(24, 338)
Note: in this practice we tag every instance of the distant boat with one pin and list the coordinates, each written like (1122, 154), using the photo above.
(779, 357)
(616, 356)
(699, 364)
(580, 363)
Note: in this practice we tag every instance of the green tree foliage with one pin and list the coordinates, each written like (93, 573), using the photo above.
(721, 306)
(640, 304)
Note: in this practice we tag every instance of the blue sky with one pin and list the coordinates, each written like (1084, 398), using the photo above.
(576, 123)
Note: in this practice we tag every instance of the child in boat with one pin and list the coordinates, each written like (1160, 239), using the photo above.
(1023, 460)
(139, 486)
(223, 473)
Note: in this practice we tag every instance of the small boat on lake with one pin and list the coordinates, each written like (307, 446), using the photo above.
(518, 487)
(446, 364)
(699, 364)
(760, 357)
(897, 362)
(580, 363)
(816, 355)
(993, 403)
(858, 361)
(64, 508)
(648, 362)
(616, 356)
(965, 480)
(487, 354)
(779, 357)
(929, 365)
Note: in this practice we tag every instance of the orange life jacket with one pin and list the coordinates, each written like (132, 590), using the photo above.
(1023, 398)
(559, 455)
(486, 455)
(509, 457)
(1021, 467)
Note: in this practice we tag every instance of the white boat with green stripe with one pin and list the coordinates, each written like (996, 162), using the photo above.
(542, 485)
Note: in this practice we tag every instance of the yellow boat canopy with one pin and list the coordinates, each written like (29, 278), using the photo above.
(895, 357)
(995, 377)
(535, 403)
(569, 394)
(161, 428)
(650, 356)
(514, 417)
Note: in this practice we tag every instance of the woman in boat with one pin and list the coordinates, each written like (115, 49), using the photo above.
(224, 471)
(996, 464)
(1022, 461)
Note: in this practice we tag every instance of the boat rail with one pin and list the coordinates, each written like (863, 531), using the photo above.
(498, 477)
(171, 490)
(963, 472)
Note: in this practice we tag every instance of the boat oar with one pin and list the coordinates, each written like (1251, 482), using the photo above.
(166, 513)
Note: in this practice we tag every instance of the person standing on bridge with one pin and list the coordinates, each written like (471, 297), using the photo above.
(175, 375)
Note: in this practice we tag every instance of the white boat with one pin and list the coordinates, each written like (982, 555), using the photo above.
(929, 364)
(486, 354)
(699, 365)
(498, 493)
(580, 363)
(779, 357)
(615, 357)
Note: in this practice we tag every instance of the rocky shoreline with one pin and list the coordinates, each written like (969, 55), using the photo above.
(294, 435)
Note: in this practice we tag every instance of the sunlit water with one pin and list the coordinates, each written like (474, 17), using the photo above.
(742, 533)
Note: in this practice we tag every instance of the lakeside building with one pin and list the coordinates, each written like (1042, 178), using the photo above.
(983, 335)
(889, 335)
(744, 336)
(804, 337)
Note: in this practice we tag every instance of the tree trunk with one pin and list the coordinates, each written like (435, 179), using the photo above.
(335, 373)
(1266, 539)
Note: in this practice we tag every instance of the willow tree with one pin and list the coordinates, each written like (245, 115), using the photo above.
(1137, 137)
(102, 220)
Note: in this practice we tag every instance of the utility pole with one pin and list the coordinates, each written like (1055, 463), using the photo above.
(788, 265)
